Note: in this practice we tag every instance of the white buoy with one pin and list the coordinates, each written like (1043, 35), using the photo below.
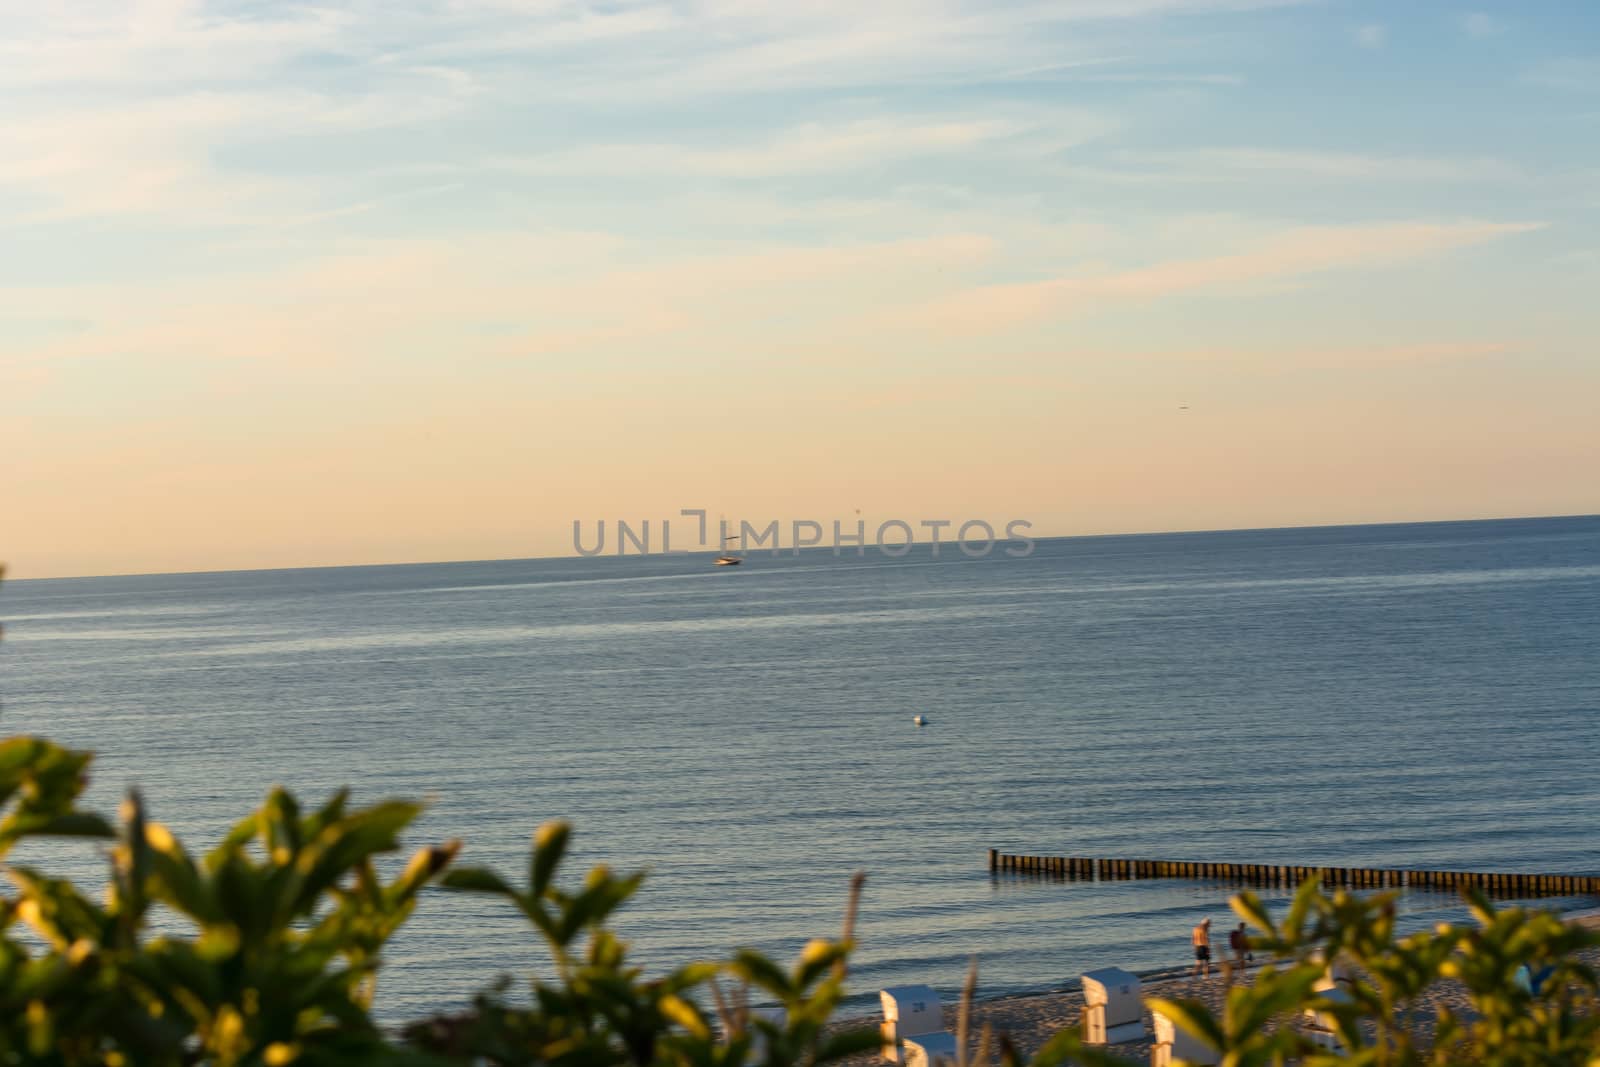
(921, 720)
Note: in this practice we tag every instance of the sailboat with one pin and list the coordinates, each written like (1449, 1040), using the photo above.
(728, 559)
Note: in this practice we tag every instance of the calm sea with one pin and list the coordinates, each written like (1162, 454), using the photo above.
(1423, 695)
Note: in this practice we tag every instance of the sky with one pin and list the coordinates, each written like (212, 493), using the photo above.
(291, 284)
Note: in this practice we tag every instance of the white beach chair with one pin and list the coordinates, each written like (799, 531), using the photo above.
(1175, 1043)
(911, 1011)
(1336, 975)
(1113, 1011)
(777, 1016)
(1320, 1026)
(931, 1050)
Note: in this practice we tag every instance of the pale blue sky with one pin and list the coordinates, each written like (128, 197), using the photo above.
(231, 230)
(171, 138)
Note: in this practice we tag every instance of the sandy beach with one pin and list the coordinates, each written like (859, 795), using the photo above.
(1031, 1020)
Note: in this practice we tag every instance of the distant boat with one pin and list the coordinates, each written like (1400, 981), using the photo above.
(727, 559)
(920, 720)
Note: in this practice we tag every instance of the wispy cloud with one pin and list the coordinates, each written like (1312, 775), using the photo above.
(505, 298)
(157, 154)
(1291, 254)
(202, 113)
(1371, 35)
(1244, 162)
(817, 147)
(709, 45)
(1372, 357)
(157, 45)
(762, 46)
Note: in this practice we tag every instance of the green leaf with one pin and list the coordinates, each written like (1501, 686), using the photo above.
(817, 959)
(242, 833)
(1194, 1017)
(340, 847)
(761, 972)
(174, 876)
(1304, 898)
(73, 824)
(1249, 907)
(237, 889)
(477, 880)
(549, 845)
(424, 866)
(280, 823)
(591, 907)
(686, 1015)
(329, 813)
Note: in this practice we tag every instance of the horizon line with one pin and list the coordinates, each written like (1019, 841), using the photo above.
(909, 545)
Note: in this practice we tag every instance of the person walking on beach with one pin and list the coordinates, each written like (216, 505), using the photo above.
(1239, 942)
(1201, 935)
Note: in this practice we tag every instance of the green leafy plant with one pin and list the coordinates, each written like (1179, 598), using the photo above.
(600, 1011)
(287, 917)
(1379, 1011)
(39, 786)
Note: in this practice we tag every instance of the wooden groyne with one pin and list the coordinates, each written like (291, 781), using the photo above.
(1085, 868)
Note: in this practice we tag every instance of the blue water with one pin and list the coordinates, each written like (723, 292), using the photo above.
(1416, 695)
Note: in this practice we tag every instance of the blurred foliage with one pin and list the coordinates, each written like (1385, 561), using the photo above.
(284, 927)
(286, 917)
(285, 923)
(1531, 1000)
(267, 951)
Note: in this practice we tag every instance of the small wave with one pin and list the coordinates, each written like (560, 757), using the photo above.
(489, 635)
(24, 634)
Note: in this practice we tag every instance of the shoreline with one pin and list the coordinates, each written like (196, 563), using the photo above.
(1032, 1019)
